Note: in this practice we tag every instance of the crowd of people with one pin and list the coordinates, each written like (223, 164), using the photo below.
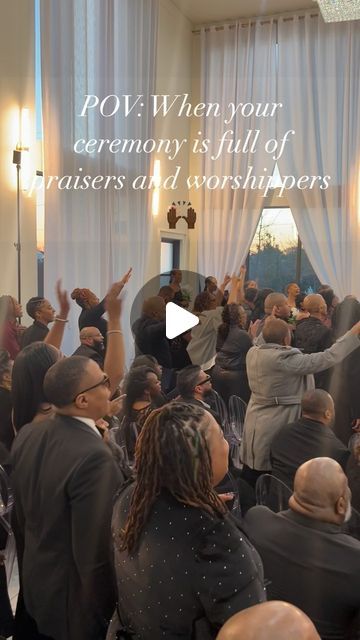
(132, 515)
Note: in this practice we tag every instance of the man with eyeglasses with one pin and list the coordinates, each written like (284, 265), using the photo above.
(92, 345)
(64, 480)
(194, 387)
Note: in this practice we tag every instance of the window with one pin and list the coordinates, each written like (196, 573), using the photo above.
(276, 255)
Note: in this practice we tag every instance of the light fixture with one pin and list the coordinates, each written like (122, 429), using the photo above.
(339, 10)
(156, 192)
(23, 144)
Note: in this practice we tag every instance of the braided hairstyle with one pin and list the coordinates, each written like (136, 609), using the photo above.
(171, 453)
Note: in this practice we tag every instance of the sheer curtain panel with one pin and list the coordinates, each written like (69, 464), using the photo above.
(92, 236)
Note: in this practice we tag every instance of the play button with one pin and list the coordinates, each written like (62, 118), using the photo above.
(178, 320)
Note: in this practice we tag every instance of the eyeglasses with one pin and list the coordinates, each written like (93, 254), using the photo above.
(104, 382)
(207, 379)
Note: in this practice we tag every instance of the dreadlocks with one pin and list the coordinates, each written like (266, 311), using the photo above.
(171, 453)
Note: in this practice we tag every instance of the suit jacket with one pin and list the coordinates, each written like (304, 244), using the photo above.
(64, 480)
(89, 352)
(311, 336)
(310, 564)
(296, 443)
(150, 339)
(191, 571)
(278, 377)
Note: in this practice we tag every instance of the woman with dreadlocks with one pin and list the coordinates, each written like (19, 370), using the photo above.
(183, 564)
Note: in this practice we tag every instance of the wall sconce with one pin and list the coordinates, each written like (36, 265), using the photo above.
(23, 144)
(156, 192)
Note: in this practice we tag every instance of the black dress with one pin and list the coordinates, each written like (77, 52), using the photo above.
(191, 572)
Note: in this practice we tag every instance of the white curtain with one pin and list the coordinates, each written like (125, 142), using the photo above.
(238, 65)
(319, 84)
(93, 236)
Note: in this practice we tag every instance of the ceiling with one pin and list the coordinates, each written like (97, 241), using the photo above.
(205, 11)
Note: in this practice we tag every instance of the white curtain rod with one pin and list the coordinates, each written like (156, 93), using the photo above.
(251, 22)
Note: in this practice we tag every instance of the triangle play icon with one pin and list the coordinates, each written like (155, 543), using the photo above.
(178, 320)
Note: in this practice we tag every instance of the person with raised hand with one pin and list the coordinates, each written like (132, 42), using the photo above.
(92, 308)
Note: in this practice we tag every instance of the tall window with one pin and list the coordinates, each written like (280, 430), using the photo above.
(276, 255)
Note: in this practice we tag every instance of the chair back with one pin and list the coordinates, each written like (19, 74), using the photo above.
(220, 408)
(6, 494)
(7, 538)
(272, 493)
(237, 411)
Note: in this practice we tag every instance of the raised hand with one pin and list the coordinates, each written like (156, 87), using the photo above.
(63, 301)
(113, 303)
(125, 279)
(190, 218)
(172, 218)
(242, 272)
(227, 279)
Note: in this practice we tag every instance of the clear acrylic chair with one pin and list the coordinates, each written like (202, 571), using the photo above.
(220, 407)
(6, 533)
(272, 493)
(237, 411)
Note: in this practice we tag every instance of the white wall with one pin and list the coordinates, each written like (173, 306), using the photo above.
(16, 91)
(174, 70)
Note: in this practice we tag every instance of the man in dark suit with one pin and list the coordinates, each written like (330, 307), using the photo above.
(310, 437)
(311, 334)
(307, 558)
(64, 480)
(92, 345)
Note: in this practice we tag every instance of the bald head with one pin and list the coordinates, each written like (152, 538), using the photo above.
(276, 331)
(269, 621)
(154, 307)
(321, 491)
(318, 405)
(277, 300)
(315, 305)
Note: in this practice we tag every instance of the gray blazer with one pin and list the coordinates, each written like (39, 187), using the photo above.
(278, 377)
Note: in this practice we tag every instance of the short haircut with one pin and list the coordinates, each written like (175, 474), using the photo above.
(33, 305)
(63, 381)
(274, 299)
(145, 361)
(187, 380)
(250, 294)
(166, 291)
(275, 330)
(316, 402)
(203, 302)
(327, 293)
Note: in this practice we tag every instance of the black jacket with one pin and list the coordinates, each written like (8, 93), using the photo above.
(150, 339)
(312, 336)
(191, 571)
(64, 480)
(310, 564)
(88, 352)
(93, 318)
(303, 440)
(37, 332)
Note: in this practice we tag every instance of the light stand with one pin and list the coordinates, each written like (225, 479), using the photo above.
(17, 245)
